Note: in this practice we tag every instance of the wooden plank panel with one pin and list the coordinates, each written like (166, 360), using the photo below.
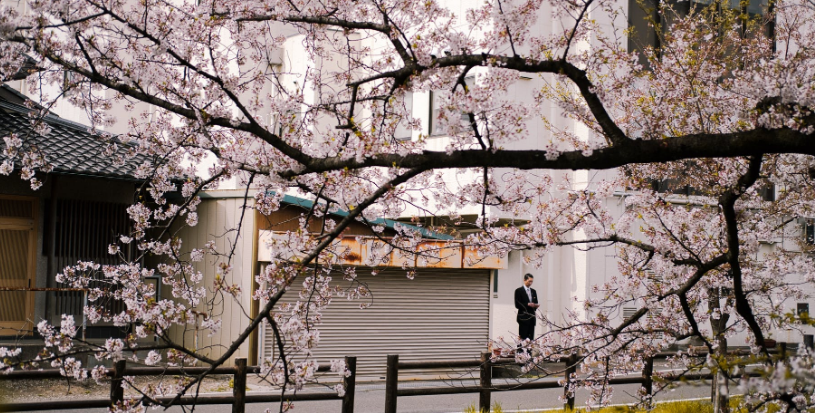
(231, 313)
(13, 273)
(18, 244)
(242, 273)
(16, 207)
(223, 247)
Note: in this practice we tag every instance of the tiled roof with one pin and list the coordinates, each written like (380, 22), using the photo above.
(29, 66)
(69, 146)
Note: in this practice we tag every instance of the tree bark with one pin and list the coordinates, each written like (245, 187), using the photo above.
(719, 391)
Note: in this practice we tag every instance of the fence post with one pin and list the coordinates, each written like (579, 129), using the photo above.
(647, 379)
(350, 383)
(391, 383)
(117, 392)
(485, 384)
(571, 370)
(239, 386)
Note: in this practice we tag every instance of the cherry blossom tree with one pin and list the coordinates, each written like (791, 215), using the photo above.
(720, 106)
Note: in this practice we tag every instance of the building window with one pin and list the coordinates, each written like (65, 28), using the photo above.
(68, 82)
(288, 123)
(436, 102)
(673, 186)
(435, 105)
(802, 310)
(767, 192)
(402, 131)
(649, 20)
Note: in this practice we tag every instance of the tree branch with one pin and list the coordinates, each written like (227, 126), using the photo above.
(705, 145)
(728, 203)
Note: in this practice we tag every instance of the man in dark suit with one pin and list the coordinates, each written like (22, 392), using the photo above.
(526, 301)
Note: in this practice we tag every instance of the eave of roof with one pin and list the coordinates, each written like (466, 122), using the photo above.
(29, 66)
(387, 223)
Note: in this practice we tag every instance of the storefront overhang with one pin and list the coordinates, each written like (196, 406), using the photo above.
(358, 251)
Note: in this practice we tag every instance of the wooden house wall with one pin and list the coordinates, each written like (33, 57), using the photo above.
(216, 217)
(60, 188)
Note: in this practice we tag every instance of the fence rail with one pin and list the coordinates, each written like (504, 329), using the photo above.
(239, 398)
(485, 386)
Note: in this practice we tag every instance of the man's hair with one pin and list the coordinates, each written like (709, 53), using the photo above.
(528, 276)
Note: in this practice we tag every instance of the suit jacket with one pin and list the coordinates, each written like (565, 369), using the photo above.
(525, 315)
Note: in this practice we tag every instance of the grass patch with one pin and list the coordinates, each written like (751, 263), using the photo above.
(690, 406)
(696, 406)
(682, 406)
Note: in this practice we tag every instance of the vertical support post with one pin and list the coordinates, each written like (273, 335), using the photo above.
(84, 317)
(117, 392)
(485, 385)
(391, 383)
(239, 386)
(782, 351)
(647, 379)
(350, 383)
(51, 297)
(571, 370)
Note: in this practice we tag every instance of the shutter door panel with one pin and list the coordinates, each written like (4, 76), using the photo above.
(441, 314)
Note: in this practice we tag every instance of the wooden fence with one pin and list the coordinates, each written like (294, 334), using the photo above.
(239, 398)
(485, 386)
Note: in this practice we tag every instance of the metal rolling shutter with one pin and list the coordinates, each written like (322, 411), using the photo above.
(441, 314)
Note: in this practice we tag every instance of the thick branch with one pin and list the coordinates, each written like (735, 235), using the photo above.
(728, 203)
(705, 145)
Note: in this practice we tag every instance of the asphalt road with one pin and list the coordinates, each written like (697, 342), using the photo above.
(370, 398)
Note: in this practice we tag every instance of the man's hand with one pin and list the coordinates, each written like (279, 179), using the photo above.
(533, 305)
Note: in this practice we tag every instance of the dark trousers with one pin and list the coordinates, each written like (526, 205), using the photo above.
(526, 331)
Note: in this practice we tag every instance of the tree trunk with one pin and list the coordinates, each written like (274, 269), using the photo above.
(720, 388)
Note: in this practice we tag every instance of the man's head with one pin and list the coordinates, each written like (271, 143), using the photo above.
(528, 279)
